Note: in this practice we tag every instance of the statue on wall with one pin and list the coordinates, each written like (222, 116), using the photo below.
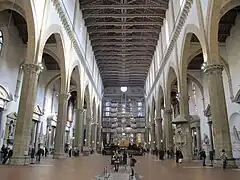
(206, 139)
(11, 130)
(236, 133)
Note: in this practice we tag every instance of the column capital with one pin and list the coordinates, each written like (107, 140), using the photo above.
(158, 119)
(33, 68)
(65, 97)
(89, 119)
(213, 69)
(152, 123)
(209, 123)
(80, 110)
(167, 111)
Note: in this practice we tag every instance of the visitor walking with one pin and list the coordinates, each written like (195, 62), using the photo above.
(203, 157)
(211, 157)
(125, 159)
(223, 156)
(179, 156)
(133, 161)
(116, 162)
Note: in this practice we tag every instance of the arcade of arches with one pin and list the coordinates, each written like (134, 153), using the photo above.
(83, 77)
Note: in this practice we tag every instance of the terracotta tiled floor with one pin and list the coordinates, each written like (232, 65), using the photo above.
(86, 168)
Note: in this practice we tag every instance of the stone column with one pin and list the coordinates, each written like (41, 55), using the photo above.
(95, 137)
(218, 110)
(168, 128)
(146, 135)
(49, 137)
(88, 132)
(25, 113)
(187, 140)
(99, 137)
(60, 129)
(159, 132)
(198, 137)
(210, 133)
(153, 135)
(79, 129)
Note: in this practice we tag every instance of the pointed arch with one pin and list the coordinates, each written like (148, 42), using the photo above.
(26, 11)
(160, 100)
(216, 11)
(49, 84)
(199, 85)
(76, 69)
(56, 30)
(94, 112)
(87, 104)
(189, 31)
(171, 78)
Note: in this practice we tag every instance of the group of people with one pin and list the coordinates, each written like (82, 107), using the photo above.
(121, 159)
(168, 153)
(223, 157)
(38, 154)
(202, 154)
(6, 154)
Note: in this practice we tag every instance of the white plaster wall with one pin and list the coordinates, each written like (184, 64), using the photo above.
(196, 106)
(38, 7)
(9, 64)
(70, 6)
(205, 5)
(231, 54)
(176, 7)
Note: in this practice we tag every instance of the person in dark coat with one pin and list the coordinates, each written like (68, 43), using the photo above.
(161, 154)
(203, 157)
(211, 157)
(38, 155)
(46, 152)
(133, 161)
(2, 152)
(125, 159)
(5, 155)
(33, 152)
(179, 155)
(70, 152)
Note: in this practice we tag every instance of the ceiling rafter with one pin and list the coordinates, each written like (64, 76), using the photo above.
(95, 15)
(104, 23)
(124, 6)
(99, 48)
(125, 30)
(140, 43)
(124, 36)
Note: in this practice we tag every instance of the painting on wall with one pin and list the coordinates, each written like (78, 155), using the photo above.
(236, 134)
(234, 123)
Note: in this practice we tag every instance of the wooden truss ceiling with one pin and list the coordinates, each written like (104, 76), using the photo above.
(124, 35)
(226, 23)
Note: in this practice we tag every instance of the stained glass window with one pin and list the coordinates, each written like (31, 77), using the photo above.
(1, 39)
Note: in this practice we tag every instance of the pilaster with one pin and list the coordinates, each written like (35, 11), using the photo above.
(88, 131)
(60, 129)
(153, 134)
(168, 135)
(159, 134)
(198, 134)
(94, 144)
(25, 113)
(99, 137)
(79, 128)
